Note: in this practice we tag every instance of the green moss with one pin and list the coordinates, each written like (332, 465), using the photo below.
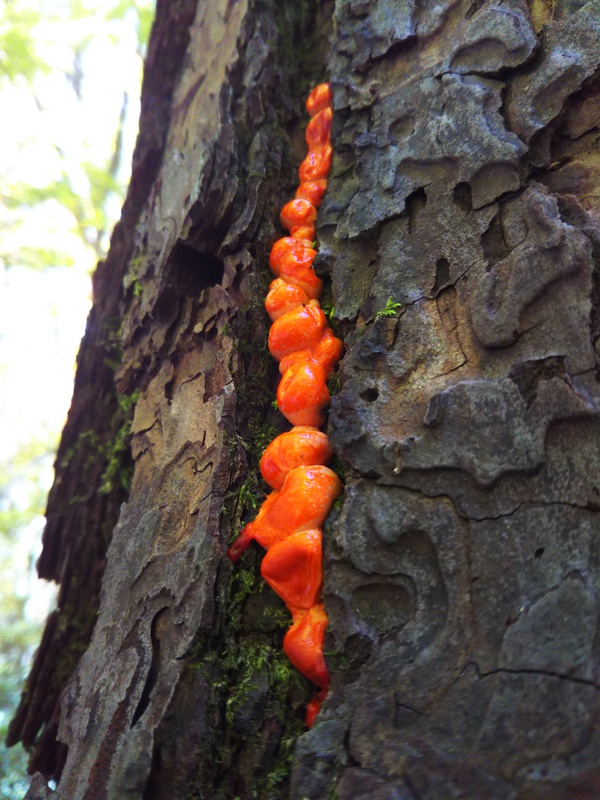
(113, 449)
(337, 465)
(334, 384)
(131, 278)
(254, 687)
(119, 466)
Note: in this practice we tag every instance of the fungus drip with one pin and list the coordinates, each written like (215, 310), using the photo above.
(289, 523)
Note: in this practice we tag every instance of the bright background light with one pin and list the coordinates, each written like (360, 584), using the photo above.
(70, 76)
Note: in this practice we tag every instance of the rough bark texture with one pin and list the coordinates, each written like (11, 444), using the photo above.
(462, 574)
(93, 463)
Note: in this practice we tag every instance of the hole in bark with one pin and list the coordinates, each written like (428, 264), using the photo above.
(395, 50)
(195, 270)
(570, 211)
(528, 375)
(493, 244)
(188, 272)
(539, 552)
(442, 274)
(401, 47)
(463, 197)
(152, 672)
(370, 395)
(413, 205)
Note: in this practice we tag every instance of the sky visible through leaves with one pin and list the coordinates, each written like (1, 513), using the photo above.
(70, 75)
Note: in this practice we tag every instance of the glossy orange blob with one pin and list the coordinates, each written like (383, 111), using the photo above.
(327, 353)
(283, 297)
(289, 521)
(313, 708)
(246, 535)
(302, 504)
(297, 212)
(302, 394)
(312, 191)
(319, 98)
(303, 445)
(317, 130)
(303, 644)
(288, 246)
(316, 164)
(298, 271)
(294, 569)
(306, 232)
(299, 328)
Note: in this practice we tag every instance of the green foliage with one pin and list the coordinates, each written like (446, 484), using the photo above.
(87, 185)
(145, 15)
(24, 477)
(391, 310)
(18, 56)
(72, 202)
(90, 217)
(23, 489)
(329, 310)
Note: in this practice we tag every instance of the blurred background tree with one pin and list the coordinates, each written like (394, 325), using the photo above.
(70, 75)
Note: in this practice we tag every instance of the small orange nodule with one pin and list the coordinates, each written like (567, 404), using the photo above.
(304, 232)
(327, 353)
(320, 98)
(293, 568)
(303, 644)
(313, 708)
(316, 164)
(298, 271)
(247, 533)
(298, 212)
(312, 191)
(318, 129)
(303, 445)
(283, 297)
(297, 329)
(287, 246)
(302, 394)
(303, 503)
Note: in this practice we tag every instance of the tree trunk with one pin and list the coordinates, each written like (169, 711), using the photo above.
(460, 234)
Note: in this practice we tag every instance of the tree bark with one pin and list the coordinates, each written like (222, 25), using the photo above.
(460, 234)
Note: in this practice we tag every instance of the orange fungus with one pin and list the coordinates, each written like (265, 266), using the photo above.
(289, 523)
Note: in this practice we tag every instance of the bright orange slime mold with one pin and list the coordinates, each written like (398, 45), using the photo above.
(289, 523)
